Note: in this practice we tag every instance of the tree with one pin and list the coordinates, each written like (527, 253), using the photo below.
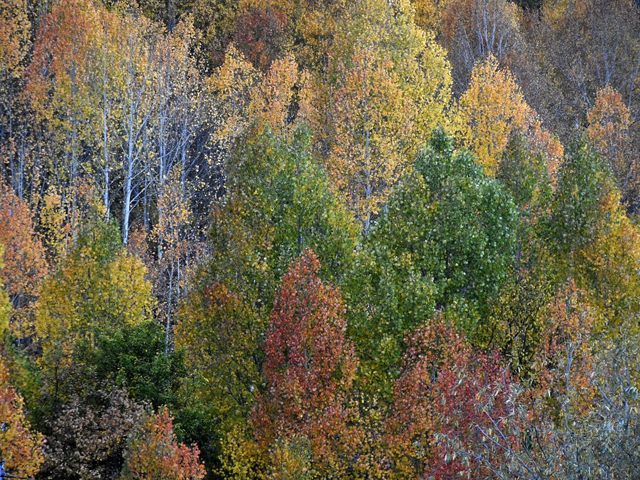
(386, 87)
(97, 289)
(135, 357)
(583, 184)
(447, 391)
(14, 40)
(277, 204)
(260, 34)
(587, 45)
(57, 87)
(25, 266)
(608, 131)
(491, 109)
(446, 241)
(309, 368)
(5, 304)
(474, 30)
(153, 453)
(87, 436)
(15, 43)
(20, 448)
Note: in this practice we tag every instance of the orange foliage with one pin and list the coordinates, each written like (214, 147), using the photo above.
(155, 454)
(309, 368)
(608, 130)
(19, 447)
(24, 263)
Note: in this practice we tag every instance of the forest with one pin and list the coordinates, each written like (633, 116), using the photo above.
(319, 239)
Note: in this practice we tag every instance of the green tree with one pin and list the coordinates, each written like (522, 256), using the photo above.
(277, 204)
(576, 215)
(446, 242)
(134, 357)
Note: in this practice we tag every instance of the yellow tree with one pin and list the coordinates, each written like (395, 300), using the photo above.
(608, 130)
(430, 14)
(14, 37)
(57, 86)
(491, 109)
(386, 88)
(607, 267)
(249, 102)
(15, 42)
(97, 289)
(5, 305)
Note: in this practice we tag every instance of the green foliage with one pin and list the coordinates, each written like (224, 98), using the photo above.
(134, 357)
(517, 322)
(524, 173)
(576, 216)
(277, 204)
(446, 241)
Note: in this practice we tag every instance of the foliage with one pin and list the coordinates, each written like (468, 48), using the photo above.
(24, 262)
(447, 390)
(97, 289)
(20, 448)
(134, 357)
(251, 214)
(309, 368)
(491, 109)
(386, 88)
(583, 184)
(446, 241)
(608, 132)
(277, 204)
(87, 436)
(154, 454)
(5, 304)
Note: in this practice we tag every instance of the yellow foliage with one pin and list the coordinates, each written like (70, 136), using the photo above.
(89, 295)
(430, 14)
(387, 88)
(491, 108)
(608, 268)
(5, 304)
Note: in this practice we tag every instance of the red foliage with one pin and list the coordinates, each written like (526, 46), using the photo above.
(450, 400)
(309, 368)
(154, 453)
(19, 447)
(260, 35)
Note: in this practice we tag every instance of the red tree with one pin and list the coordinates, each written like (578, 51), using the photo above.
(451, 401)
(309, 368)
(19, 447)
(155, 454)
